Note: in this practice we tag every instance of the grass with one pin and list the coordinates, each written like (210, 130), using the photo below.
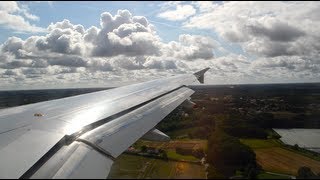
(283, 114)
(175, 156)
(137, 167)
(260, 143)
(271, 176)
(127, 166)
(181, 133)
(183, 143)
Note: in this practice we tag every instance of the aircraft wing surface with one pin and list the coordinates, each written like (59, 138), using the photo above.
(80, 136)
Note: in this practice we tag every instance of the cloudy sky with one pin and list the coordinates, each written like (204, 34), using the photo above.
(103, 44)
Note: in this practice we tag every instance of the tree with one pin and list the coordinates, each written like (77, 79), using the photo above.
(143, 148)
(252, 170)
(305, 173)
(163, 154)
(228, 154)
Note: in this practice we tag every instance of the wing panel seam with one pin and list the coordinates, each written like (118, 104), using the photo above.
(97, 148)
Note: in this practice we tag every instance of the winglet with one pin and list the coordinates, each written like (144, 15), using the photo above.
(156, 135)
(200, 75)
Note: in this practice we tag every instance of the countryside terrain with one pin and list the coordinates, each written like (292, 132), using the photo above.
(232, 125)
(229, 134)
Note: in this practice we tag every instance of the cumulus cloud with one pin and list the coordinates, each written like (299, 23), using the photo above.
(124, 34)
(277, 31)
(181, 12)
(10, 17)
(122, 43)
(156, 63)
(191, 47)
(282, 36)
(68, 61)
(9, 6)
(127, 48)
(259, 26)
(296, 64)
(65, 40)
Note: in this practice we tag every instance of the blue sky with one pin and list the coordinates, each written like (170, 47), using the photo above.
(80, 44)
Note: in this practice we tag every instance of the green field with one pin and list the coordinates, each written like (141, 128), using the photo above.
(271, 176)
(175, 156)
(138, 167)
(180, 133)
(171, 145)
(283, 114)
(260, 143)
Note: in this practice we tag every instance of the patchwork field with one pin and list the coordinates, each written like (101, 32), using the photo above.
(258, 143)
(138, 167)
(277, 159)
(187, 144)
(273, 158)
(175, 156)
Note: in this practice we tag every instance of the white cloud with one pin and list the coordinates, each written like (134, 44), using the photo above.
(126, 48)
(10, 17)
(205, 6)
(160, 63)
(270, 23)
(169, 4)
(191, 47)
(284, 36)
(181, 12)
(9, 6)
(122, 44)
(24, 9)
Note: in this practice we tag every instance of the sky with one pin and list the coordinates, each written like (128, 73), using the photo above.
(54, 44)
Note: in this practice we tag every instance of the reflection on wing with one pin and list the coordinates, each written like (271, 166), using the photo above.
(79, 136)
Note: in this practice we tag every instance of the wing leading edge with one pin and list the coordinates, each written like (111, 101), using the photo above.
(80, 136)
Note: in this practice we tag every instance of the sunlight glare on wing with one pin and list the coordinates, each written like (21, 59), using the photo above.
(84, 118)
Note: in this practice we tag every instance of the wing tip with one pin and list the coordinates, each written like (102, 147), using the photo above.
(200, 74)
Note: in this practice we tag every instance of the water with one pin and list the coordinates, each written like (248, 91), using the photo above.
(305, 138)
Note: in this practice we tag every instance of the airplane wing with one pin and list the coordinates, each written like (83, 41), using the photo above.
(80, 136)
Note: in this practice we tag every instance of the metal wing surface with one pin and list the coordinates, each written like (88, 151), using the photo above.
(80, 136)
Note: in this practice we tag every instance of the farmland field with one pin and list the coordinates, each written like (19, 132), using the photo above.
(258, 143)
(270, 176)
(138, 167)
(284, 114)
(272, 157)
(175, 156)
(187, 144)
(280, 160)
